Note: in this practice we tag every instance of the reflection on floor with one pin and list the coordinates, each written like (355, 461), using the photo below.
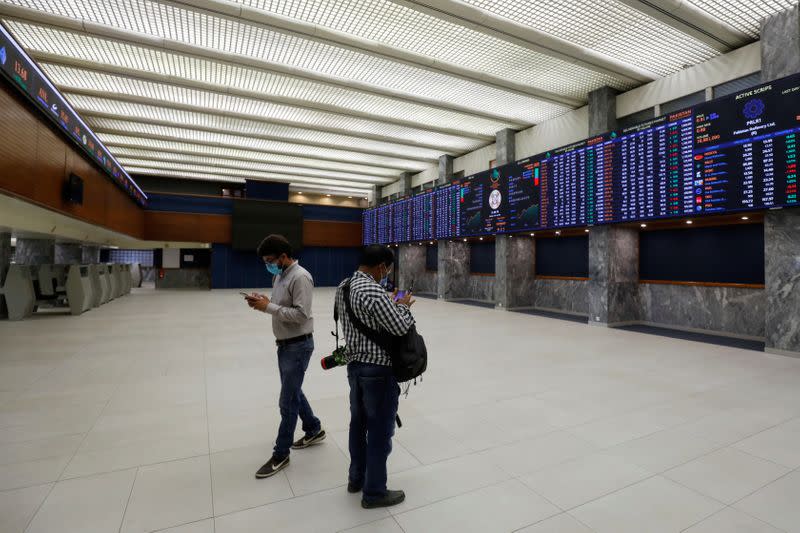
(154, 412)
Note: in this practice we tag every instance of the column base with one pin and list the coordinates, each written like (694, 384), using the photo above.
(787, 353)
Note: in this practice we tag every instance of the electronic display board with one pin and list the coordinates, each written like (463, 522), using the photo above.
(383, 225)
(652, 174)
(734, 153)
(422, 217)
(26, 76)
(369, 227)
(401, 220)
(484, 200)
(448, 211)
(746, 148)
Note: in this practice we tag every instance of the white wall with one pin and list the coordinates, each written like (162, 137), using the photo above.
(574, 125)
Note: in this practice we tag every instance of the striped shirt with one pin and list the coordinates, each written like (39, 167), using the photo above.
(375, 308)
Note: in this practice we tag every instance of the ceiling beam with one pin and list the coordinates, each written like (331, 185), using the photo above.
(94, 125)
(161, 104)
(686, 18)
(173, 81)
(321, 182)
(170, 138)
(230, 165)
(254, 16)
(529, 37)
(167, 45)
(123, 150)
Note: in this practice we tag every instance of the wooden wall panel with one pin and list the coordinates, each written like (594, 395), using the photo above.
(36, 159)
(333, 234)
(187, 227)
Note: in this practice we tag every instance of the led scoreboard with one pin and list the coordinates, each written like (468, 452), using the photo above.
(401, 220)
(26, 76)
(422, 217)
(746, 148)
(734, 153)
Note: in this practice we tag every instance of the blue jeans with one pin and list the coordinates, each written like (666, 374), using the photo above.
(292, 363)
(374, 395)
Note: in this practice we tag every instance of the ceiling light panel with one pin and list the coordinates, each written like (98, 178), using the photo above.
(309, 93)
(744, 15)
(92, 105)
(178, 167)
(184, 175)
(340, 64)
(246, 166)
(610, 28)
(137, 146)
(244, 142)
(398, 26)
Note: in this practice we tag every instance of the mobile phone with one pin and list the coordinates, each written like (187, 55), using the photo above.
(400, 295)
(245, 295)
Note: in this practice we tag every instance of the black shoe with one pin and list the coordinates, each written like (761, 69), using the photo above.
(305, 442)
(392, 497)
(272, 467)
(354, 488)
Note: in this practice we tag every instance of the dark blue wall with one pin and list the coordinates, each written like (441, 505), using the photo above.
(481, 257)
(265, 190)
(232, 269)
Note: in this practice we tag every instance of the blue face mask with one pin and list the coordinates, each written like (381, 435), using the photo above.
(273, 268)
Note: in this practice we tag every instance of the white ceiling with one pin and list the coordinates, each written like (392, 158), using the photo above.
(341, 95)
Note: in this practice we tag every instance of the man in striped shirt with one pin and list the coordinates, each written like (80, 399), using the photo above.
(374, 392)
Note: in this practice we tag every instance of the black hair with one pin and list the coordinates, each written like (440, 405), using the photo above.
(274, 245)
(376, 254)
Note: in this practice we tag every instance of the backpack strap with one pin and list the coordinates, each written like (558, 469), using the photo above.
(368, 332)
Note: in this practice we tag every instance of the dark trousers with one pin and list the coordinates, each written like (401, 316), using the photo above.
(292, 363)
(374, 395)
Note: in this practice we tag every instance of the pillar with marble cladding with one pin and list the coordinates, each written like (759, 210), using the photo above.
(445, 170)
(613, 276)
(411, 263)
(68, 253)
(515, 260)
(35, 251)
(454, 264)
(445, 178)
(505, 147)
(404, 183)
(5, 260)
(90, 255)
(780, 56)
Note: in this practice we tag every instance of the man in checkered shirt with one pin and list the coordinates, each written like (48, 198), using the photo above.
(374, 392)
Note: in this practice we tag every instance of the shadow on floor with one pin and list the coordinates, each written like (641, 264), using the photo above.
(744, 344)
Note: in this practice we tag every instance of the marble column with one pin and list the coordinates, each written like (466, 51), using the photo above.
(445, 178)
(602, 110)
(35, 251)
(412, 264)
(405, 185)
(445, 170)
(780, 56)
(613, 276)
(782, 280)
(5, 260)
(68, 253)
(515, 259)
(375, 196)
(90, 255)
(505, 146)
(780, 44)
(453, 270)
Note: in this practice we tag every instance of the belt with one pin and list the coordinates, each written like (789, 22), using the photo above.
(301, 338)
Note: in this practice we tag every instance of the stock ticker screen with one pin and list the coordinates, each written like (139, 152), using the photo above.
(422, 217)
(734, 153)
(23, 73)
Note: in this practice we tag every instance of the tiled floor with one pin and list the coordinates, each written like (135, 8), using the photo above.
(153, 412)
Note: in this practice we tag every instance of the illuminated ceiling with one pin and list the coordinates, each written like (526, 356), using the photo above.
(340, 95)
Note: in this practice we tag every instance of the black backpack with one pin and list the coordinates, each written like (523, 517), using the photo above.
(408, 352)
